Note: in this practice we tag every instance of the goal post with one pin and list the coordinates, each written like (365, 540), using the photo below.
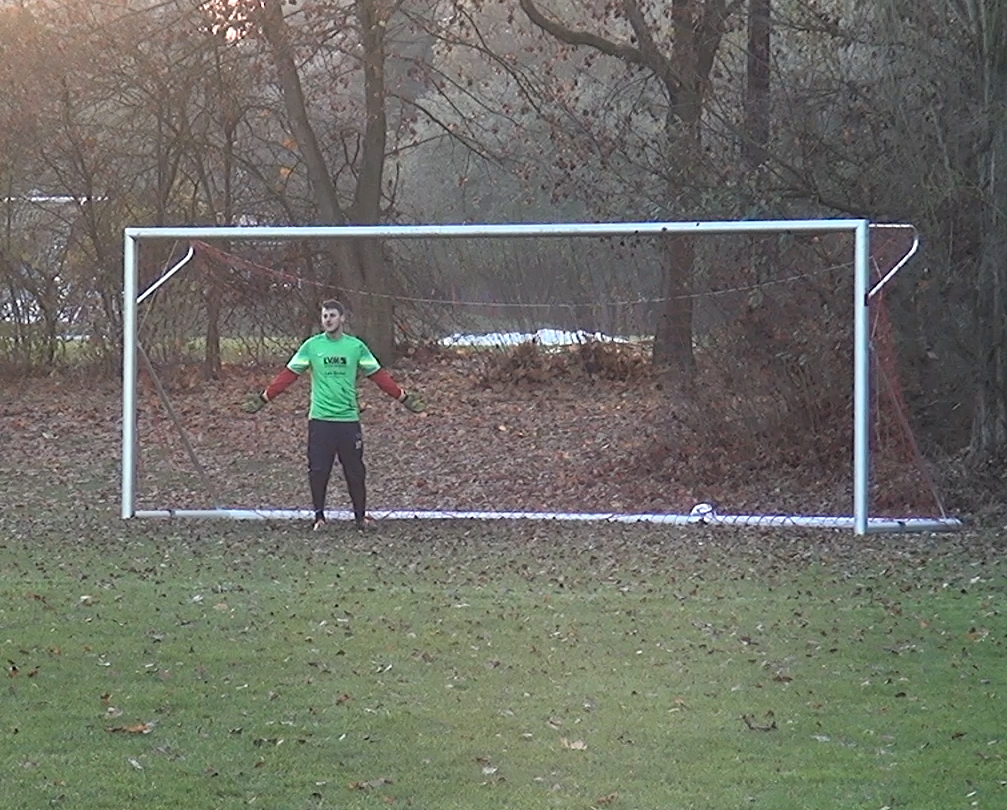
(860, 521)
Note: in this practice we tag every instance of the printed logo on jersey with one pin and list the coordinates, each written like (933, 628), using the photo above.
(338, 361)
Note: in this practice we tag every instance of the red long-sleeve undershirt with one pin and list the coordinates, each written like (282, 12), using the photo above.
(381, 378)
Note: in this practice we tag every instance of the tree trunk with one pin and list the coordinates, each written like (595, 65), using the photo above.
(763, 253)
(673, 337)
(684, 79)
(375, 321)
(211, 356)
(212, 360)
(989, 426)
(757, 75)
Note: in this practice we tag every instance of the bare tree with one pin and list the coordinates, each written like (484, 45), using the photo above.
(358, 266)
(681, 60)
(989, 432)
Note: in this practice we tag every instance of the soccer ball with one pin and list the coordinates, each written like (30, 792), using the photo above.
(702, 512)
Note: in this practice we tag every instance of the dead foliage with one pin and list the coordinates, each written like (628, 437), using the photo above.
(531, 363)
(590, 427)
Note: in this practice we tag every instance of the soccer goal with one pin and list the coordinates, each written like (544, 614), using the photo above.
(533, 344)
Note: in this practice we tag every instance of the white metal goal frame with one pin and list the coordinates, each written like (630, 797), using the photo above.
(861, 522)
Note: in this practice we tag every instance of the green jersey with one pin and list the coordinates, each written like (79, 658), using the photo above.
(334, 363)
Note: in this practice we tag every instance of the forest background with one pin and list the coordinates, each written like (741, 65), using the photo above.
(133, 112)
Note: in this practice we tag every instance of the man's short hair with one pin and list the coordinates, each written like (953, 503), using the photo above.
(332, 303)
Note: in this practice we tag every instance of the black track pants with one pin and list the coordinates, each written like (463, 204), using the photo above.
(328, 441)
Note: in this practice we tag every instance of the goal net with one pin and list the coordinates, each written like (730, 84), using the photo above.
(780, 401)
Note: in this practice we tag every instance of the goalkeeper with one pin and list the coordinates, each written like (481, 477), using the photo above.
(334, 358)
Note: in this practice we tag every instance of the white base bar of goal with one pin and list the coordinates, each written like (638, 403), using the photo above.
(708, 517)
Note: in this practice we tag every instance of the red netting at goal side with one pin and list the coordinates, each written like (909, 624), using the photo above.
(901, 474)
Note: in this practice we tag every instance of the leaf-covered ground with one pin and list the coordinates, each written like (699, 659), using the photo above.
(516, 441)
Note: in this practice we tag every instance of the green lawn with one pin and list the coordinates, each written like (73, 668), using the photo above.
(508, 665)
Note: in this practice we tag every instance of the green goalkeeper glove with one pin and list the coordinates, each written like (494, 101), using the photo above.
(254, 402)
(413, 402)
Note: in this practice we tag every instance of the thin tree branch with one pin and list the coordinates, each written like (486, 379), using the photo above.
(655, 60)
(584, 38)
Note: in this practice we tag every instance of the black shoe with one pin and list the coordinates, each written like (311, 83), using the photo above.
(366, 524)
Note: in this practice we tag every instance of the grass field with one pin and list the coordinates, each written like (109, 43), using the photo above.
(494, 665)
(477, 666)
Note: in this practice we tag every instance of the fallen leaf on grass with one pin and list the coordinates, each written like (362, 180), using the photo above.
(573, 745)
(605, 801)
(138, 728)
(753, 726)
(371, 783)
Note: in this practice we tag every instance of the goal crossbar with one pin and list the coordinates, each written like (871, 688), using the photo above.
(860, 521)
